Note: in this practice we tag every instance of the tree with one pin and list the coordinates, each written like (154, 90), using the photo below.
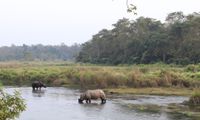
(131, 8)
(175, 17)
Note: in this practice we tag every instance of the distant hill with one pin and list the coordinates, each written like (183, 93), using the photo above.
(39, 52)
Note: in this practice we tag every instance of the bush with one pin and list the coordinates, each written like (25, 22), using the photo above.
(10, 105)
(195, 99)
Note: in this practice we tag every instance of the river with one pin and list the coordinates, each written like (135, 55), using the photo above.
(58, 103)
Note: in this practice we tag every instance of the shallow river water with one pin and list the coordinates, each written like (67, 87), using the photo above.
(57, 103)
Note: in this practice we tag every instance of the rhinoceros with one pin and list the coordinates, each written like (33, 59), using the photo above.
(92, 94)
(37, 85)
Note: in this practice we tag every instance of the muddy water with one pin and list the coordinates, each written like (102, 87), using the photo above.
(61, 104)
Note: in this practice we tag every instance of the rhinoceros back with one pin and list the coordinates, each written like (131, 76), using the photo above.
(95, 94)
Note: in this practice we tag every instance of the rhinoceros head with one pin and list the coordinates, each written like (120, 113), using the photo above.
(80, 100)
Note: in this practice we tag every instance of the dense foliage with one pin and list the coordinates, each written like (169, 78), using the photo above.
(10, 105)
(39, 52)
(146, 40)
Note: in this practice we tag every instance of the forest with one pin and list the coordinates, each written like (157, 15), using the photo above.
(39, 52)
(146, 40)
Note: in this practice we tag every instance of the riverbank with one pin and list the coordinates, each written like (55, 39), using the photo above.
(153, 79)
(154, 91)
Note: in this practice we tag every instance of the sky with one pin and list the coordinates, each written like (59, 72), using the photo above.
(52, 22)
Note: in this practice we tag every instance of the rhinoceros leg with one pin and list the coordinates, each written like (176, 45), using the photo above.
(88, 101)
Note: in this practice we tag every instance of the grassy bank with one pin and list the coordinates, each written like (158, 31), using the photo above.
(154, 91)
(112, 77)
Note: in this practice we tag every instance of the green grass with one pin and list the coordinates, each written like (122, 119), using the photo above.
(94, 76)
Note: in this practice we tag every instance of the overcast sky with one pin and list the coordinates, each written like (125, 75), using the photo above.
(52, 22)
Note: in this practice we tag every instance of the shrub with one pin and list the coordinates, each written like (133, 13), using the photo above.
(195, 99)
(10, 105)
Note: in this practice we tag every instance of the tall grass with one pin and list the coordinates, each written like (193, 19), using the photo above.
(88, 76)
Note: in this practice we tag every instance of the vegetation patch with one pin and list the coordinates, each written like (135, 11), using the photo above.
(195, 99)
(162, 77)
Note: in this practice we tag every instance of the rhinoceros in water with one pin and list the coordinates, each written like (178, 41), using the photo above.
(37, 85)
(92, 94)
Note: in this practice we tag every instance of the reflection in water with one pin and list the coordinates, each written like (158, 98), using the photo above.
(92, 110)
(38, 93)
(62, 104)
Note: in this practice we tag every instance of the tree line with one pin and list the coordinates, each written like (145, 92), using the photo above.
(146, 40)
(39, 52)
